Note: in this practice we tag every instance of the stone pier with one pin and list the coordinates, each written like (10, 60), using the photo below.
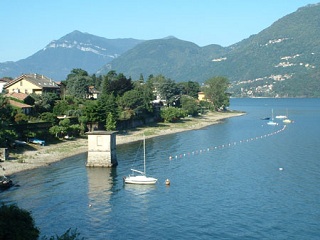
(102, 149)
(4, 154)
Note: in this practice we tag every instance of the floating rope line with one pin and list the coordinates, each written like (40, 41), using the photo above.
(196, 152)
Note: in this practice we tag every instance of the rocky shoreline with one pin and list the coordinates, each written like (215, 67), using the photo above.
(34, 156)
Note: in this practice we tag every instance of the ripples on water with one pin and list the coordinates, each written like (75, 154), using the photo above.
(235, 192)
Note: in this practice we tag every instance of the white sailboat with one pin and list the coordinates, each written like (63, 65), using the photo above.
(142, 178)
(282, 116)
(287, 120)
(271, 122)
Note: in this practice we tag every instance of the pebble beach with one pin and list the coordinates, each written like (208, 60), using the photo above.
(35, 156)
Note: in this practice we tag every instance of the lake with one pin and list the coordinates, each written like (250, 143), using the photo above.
(241, 179)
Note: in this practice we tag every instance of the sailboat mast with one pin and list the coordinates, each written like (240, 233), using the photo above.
(144, 155)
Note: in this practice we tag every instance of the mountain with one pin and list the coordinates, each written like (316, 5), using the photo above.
(281, 60)
(172, 57)
(75, 50)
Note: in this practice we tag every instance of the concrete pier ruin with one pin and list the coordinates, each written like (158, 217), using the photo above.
(102, 149)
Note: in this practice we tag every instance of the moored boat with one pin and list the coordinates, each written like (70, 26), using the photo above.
(5, 183)
(142, 178)
(271, 122)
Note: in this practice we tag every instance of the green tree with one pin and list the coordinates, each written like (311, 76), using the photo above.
(6, 113)
(80, 87)
(189, 88)
(136, 102)
(48, 117)
(97, 81)
(61, 107)
(141, 78)
(91, 111)
(131, 100)
(44, 102)
(16, 223)
(116, 84)
(77, 72)
(165, 88)
(106, 104)
(215, 90)
(75, 129)
(83, 120)
(172, 114)
(62, 129)
(65, 125)
(146, 93)
(20, 118)
(56, 131)
(70, 234)
(111, 123)
(190, 105)
(78, 82)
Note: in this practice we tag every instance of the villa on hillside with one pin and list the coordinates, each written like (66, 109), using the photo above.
(31, 83)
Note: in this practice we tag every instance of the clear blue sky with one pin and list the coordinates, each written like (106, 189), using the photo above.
(29, 25)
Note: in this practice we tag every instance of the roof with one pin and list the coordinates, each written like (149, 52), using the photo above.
(36, 79)
(18, 104)
(20, 96)
(5, 80)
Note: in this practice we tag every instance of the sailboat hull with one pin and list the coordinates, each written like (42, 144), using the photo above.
(142, 180)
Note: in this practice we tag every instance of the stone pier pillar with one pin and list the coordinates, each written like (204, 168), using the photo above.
(102, 149)
(4, 154)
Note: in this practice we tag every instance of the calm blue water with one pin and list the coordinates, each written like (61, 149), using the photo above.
(226, 183)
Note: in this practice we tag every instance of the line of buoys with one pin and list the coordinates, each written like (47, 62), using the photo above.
(226, 145)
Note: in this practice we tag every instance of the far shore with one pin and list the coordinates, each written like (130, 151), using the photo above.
(33, 156)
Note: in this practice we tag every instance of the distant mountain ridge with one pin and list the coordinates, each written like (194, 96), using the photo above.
(282, 60)
(74, 50)
(171, 57)
(276, 62)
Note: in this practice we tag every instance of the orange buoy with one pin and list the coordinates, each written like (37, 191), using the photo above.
(167, 182)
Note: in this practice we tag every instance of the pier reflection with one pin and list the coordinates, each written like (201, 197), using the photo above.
(100, 182)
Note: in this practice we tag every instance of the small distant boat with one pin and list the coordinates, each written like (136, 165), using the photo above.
(271, 122)
(5, 183)
(287, 120)
(142, 178)
(266, 118)
(281, 116)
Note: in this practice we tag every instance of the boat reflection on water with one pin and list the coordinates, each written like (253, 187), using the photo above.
(139, 190)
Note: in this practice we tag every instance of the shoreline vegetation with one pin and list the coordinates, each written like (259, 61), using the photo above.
(33, 156)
